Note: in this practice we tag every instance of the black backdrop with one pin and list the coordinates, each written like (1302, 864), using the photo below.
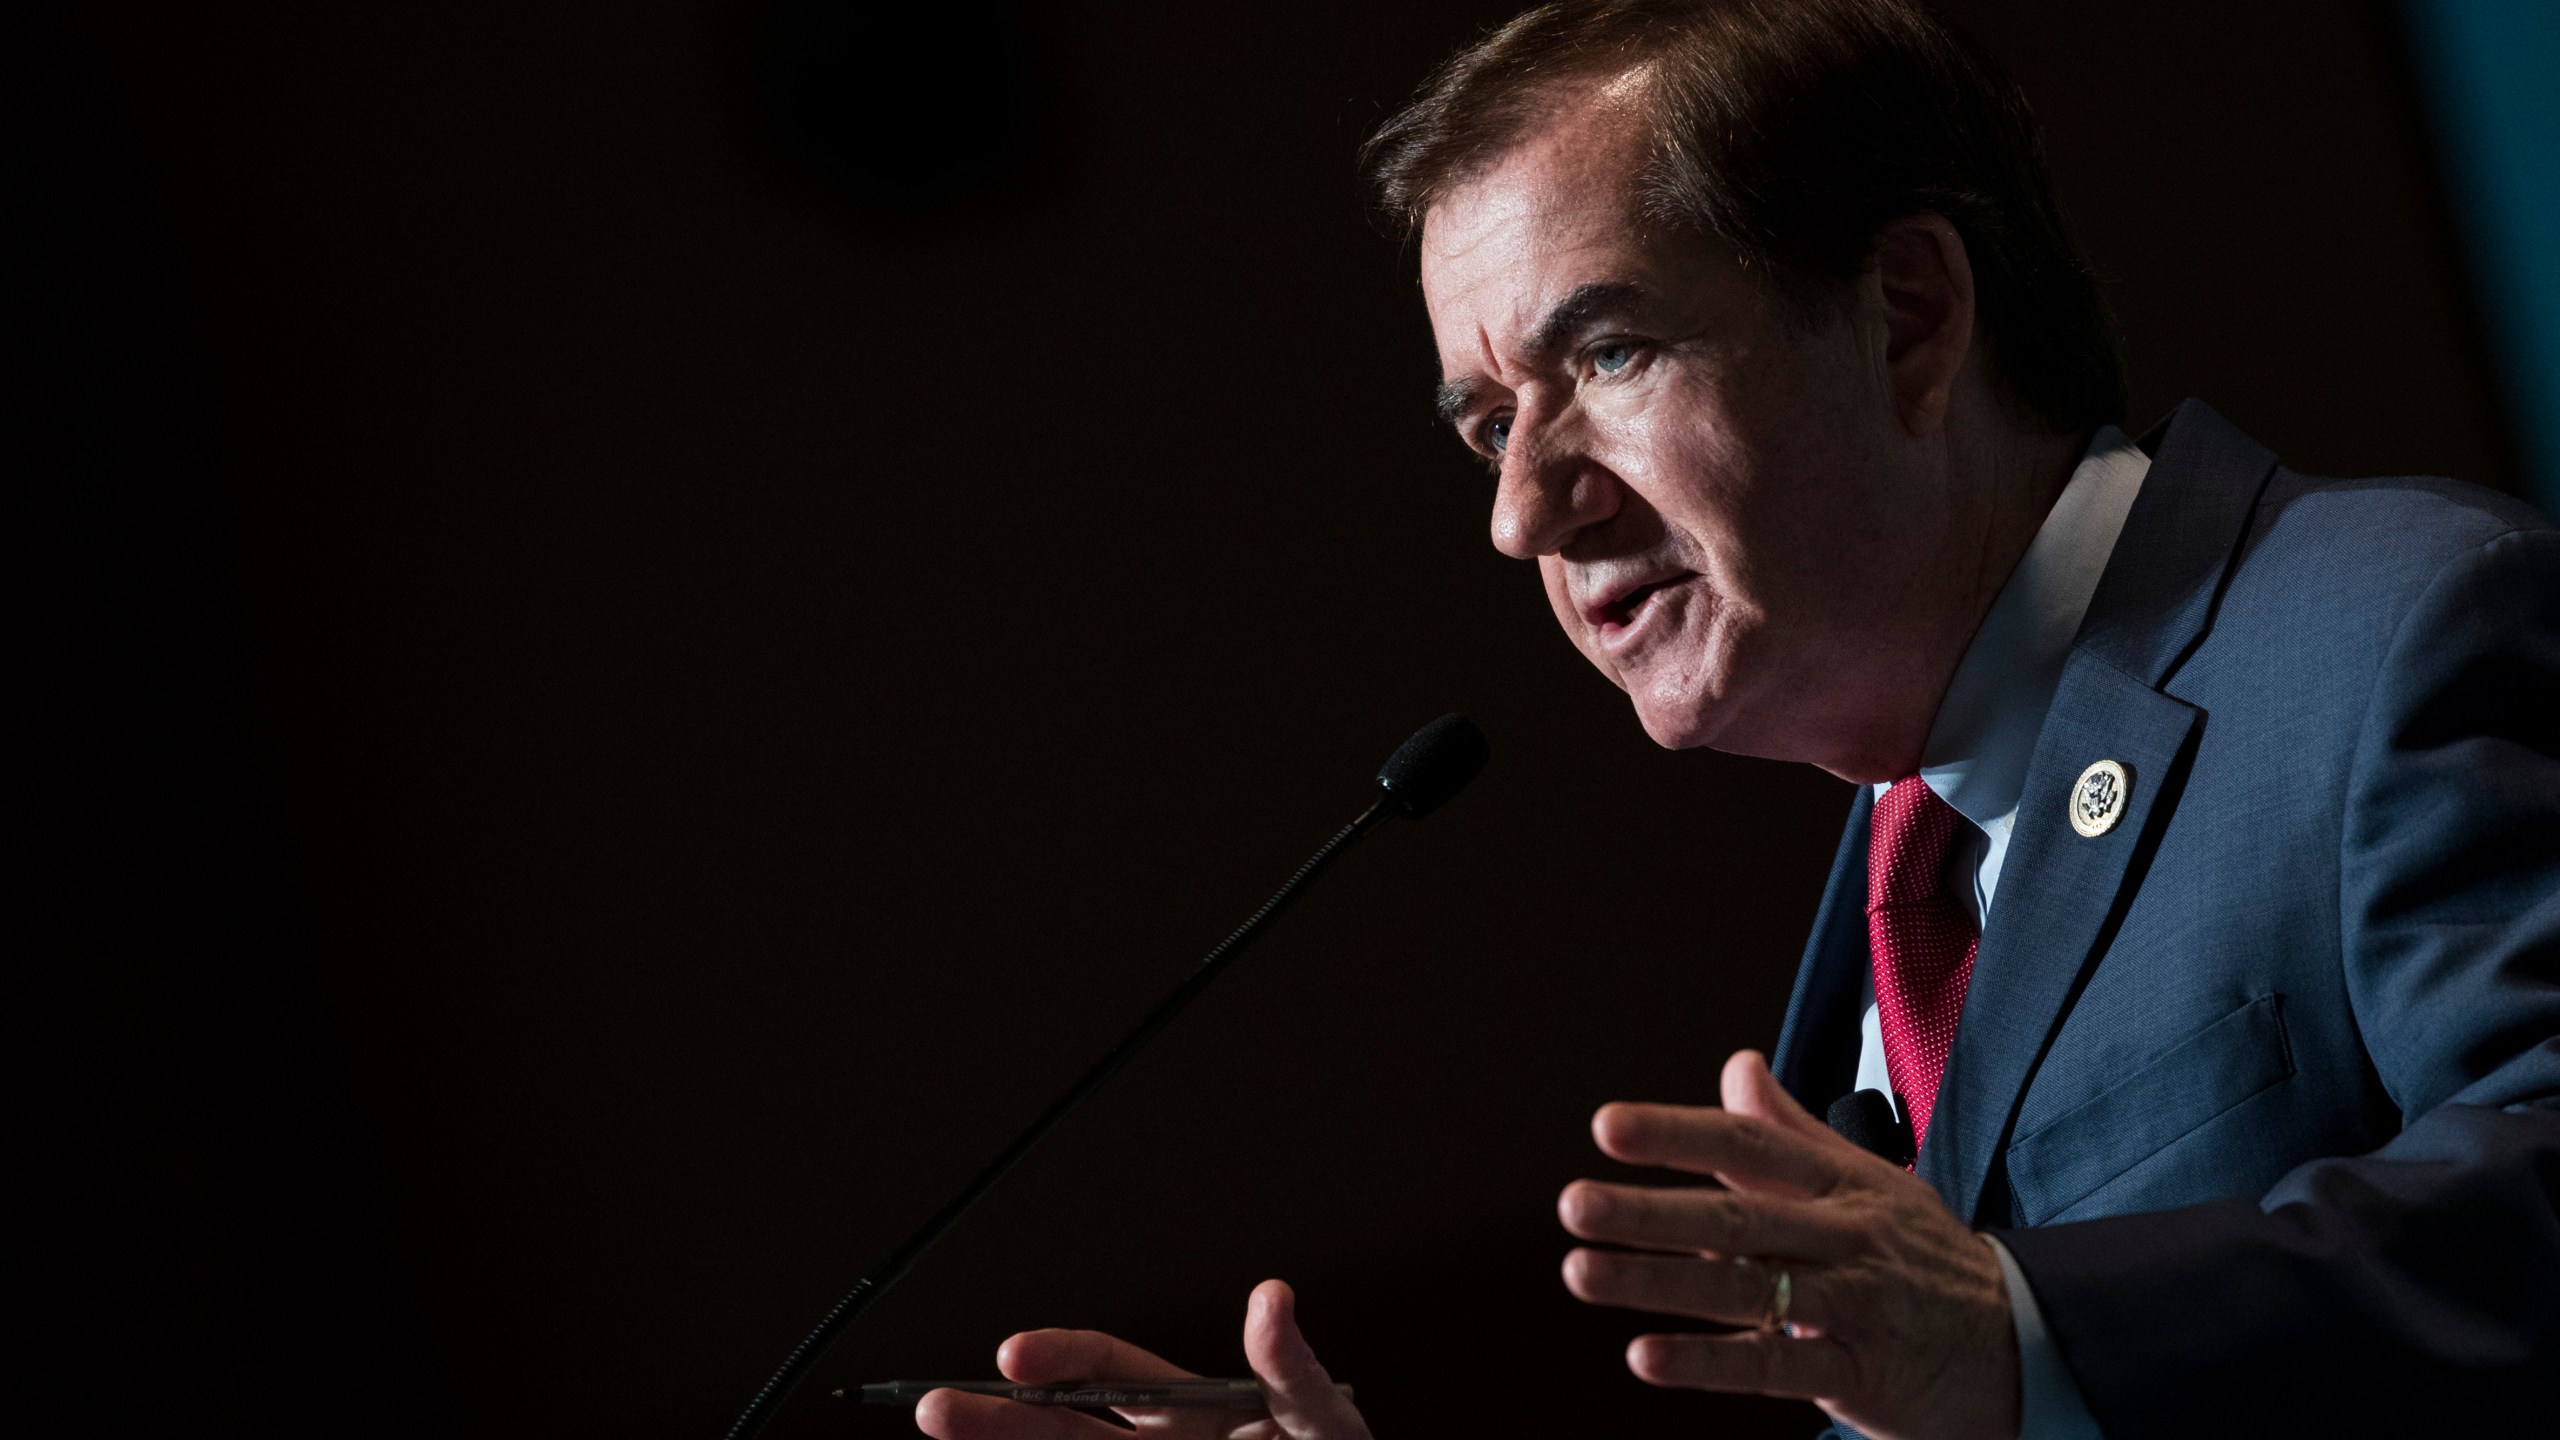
(649, 620)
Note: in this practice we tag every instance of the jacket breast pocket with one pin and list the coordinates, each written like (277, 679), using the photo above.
(2167, 1099)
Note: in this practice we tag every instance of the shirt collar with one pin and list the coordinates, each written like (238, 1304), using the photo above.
(1985, 732)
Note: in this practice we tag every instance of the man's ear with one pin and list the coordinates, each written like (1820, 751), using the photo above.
(1926, 282)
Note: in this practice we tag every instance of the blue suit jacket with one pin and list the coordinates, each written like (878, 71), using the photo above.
(2262, 1087)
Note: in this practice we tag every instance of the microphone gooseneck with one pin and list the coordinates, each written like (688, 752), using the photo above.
(1435, 764)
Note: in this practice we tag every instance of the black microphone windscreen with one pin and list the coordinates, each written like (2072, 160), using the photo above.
(1432, 766)
(1866, 1119)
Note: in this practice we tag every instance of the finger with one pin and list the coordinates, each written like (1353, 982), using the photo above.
(1699, 1219)
(1050, 1357)
(957, 1415)
(1730, 1292)
(1746, 1151)
(1754, 1361)
(1305, 1405)
(1749, 1089)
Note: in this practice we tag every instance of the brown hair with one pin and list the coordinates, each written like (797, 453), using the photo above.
(1793, 131)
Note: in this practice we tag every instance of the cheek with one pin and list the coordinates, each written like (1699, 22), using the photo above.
(1559, 599)
(1551, 575)
(1683, 458)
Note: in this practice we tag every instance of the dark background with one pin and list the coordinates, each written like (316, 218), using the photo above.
(642, 623)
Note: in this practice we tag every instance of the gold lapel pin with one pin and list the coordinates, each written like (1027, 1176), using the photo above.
(2098, 798)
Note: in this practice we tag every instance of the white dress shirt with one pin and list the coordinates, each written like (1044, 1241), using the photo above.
(1976, 760)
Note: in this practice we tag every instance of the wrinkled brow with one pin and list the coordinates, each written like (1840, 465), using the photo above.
(1571, 315)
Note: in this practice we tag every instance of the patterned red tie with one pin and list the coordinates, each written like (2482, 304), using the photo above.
(1921, 938)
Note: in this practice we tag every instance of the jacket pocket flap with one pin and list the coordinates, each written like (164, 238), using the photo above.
(2171, 1096)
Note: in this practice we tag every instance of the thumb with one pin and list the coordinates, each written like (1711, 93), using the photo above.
(1749, 1089)
(1304, 1403)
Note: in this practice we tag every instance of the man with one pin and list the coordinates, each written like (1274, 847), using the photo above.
(2199, 921)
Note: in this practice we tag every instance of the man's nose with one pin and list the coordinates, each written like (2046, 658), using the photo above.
(1546, 495)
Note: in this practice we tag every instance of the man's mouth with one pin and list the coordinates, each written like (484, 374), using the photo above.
(1620, 615)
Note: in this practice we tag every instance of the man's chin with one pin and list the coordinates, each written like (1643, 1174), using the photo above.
(1677, 726)
(1687, 720)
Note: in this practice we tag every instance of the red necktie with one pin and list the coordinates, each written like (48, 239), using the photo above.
(1921, 938)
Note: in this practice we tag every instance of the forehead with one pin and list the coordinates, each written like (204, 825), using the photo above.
(1561, 210)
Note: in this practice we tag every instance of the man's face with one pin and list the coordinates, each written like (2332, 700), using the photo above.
(1707, 481)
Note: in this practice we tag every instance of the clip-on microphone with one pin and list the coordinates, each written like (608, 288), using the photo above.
(1870, 1120)
(1423, 773)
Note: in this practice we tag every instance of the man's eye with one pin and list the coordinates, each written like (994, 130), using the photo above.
(1610, 359)
(1497, 434)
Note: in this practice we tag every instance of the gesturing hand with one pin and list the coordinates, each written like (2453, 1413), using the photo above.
(1898, 1320)
(1304, 1403)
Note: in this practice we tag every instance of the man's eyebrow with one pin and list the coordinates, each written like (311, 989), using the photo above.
(1577, 310)
(1456, 398)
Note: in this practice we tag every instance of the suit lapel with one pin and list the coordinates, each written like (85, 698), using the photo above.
(2061, 893)
(2044, 931)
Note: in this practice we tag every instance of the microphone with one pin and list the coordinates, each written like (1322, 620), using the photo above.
(1426, 770)
(1866, 1118)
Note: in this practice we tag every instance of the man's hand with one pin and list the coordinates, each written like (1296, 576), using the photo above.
(1898, 1318)
(1304, 1403)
